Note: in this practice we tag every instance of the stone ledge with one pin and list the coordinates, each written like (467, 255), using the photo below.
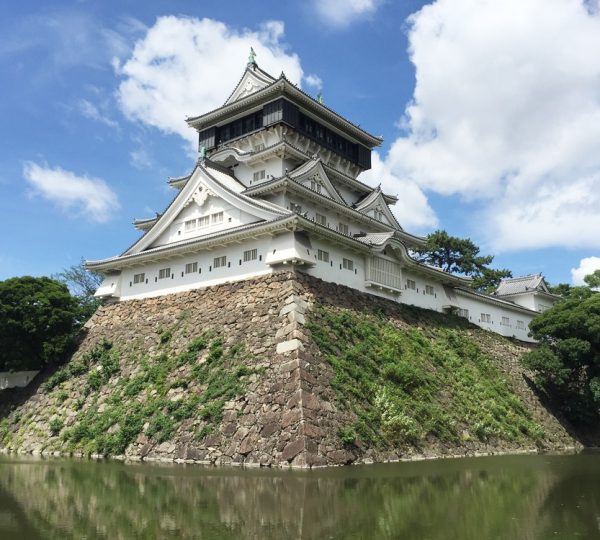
(290, 345)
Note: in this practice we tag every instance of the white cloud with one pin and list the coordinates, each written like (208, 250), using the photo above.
(67, 38)
(140, 158)
(506, 110)
(585, 268)
(91, 111)
(187, 66)
(412, 209)
(342, 13)
(314, 81)
(90, 197)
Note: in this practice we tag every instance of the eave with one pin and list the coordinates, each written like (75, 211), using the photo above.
(286, 182)
(207, 242)
(463, 291)
(280, 88)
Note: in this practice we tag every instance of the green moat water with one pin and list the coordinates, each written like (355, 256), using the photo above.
(525, 497)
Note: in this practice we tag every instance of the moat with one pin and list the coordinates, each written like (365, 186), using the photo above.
(512, 497)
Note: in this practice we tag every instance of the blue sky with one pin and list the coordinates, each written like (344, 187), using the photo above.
(490, 112)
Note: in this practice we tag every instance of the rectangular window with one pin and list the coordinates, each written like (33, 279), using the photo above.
(323, 255)
(321, 219)
(520, 325)
(259, 175)
(348, 264)
(250, 255)
(217, 218)
(203, 222)
(315, 186)
(191, 268)
(429, 290)
(463, 313)
(190, 225)
(411, 284)
(218, 262)
(164, 273)
(342, 228)
(486, 318)
(505, 321)
(139, 278)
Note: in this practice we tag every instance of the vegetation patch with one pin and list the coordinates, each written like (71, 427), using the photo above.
(209, 373)
(407, 386)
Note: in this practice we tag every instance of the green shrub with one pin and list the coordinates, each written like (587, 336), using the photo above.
(347, 435)
(55, 426)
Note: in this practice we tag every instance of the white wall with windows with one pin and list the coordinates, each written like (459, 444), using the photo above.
(201, 269)
(332, 262)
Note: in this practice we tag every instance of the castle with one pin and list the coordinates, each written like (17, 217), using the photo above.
(276, 187)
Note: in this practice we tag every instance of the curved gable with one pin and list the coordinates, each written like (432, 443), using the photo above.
(313, 176)
(206, 186)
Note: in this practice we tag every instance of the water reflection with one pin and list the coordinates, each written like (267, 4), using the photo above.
(524, 498)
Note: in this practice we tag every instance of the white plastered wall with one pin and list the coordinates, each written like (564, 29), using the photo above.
(232, 217)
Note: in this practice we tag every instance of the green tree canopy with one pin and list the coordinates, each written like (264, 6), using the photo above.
(593, 280)
(461, 256)
(567, 362)
(39, 321)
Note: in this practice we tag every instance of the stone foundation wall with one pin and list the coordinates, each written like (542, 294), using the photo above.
(287, 413)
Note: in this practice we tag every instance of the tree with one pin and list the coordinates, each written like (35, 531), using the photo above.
(83, 284)
(39, 321)
(593, 280)
(566, 365)
(461, 256)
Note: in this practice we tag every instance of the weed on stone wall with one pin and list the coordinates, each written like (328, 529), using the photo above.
(409, 386)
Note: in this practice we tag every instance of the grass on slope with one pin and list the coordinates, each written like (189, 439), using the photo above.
(411, 386)
(112, 410)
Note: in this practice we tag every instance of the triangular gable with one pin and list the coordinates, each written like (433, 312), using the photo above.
(312, 174)
(374, 205)
(253, 80)
(202, 184)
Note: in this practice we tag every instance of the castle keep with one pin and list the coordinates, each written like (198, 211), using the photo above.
(277, 187)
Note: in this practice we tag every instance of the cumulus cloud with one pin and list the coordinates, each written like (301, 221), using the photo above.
(342, 13)
(412, 209)
(586, 267)
(186, 66)
(506, 110)
(88, 196)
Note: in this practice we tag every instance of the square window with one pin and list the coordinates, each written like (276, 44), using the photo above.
(348, 264)
(323, 255)
(219, 262)
(190, 225)
(191, 268)
(164, 273)
(321, 219)
(411, 284)
(250, 255)
(217, 218)
(343, 228)
(204, 221)
(139, 278)
(429, 290)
